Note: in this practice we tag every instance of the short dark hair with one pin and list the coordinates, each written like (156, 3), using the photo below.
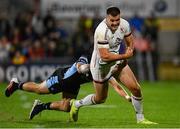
(114, 11)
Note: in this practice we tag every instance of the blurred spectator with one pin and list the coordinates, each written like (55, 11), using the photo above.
(176, 59)
(81, 24)
(21, 21)
(4, 25)
(49, 23)
(16, 40)
(61, 30)
(37, 24)
(151, 29)
(29, 34)
(18, 58)
(4, 49)
(16, 36)
(137, 23)
(82, 39)
(51, 50)
(36, 52)
(96, 20)
(62, 48)
(25, 47)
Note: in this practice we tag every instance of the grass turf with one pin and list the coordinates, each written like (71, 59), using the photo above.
(161, 104)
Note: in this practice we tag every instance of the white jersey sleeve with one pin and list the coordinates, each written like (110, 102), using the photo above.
(126, 27)
(101, 36)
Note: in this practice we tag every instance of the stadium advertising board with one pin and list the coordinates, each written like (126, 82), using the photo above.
(33, 72)
(170, 24)
(73, 8)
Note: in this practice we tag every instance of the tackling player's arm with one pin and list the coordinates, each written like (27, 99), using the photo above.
(119, 89)
(82, 65)
(82, 68)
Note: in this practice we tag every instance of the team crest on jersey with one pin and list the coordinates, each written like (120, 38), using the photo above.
(117, 42)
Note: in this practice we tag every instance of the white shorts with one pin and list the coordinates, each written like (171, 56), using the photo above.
(102, 73)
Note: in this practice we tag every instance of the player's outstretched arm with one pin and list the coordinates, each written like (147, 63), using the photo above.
(83, 68)
(119, 89)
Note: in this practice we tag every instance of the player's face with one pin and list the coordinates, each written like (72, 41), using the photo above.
(113, 22)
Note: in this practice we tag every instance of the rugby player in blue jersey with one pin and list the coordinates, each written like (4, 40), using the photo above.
(67, 81)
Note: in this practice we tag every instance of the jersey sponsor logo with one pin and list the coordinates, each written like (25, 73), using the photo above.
(118, 41)
(53, 80)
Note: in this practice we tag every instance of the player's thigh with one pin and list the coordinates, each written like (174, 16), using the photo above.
(128, 79)
(101, 90)
(43, 89)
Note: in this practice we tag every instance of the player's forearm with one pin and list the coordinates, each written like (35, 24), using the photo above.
(113, 57)
(129, 42)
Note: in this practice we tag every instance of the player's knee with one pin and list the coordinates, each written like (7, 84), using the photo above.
(136, 91)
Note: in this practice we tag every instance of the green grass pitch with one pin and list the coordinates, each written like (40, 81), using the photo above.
(161, 104)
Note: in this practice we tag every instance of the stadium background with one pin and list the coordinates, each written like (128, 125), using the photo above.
(36, 36)
(42, 33)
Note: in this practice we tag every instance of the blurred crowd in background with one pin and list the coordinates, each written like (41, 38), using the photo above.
(28, 36)
(31, 37)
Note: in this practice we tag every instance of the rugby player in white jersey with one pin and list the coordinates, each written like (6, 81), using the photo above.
(107, 62)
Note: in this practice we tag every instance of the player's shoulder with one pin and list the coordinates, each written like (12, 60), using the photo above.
(102, 26)
(124, 22)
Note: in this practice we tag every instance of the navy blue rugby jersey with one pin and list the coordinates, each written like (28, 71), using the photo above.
(72, 77)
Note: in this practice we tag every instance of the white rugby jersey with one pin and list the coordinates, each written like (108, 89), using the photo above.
(104, 38)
